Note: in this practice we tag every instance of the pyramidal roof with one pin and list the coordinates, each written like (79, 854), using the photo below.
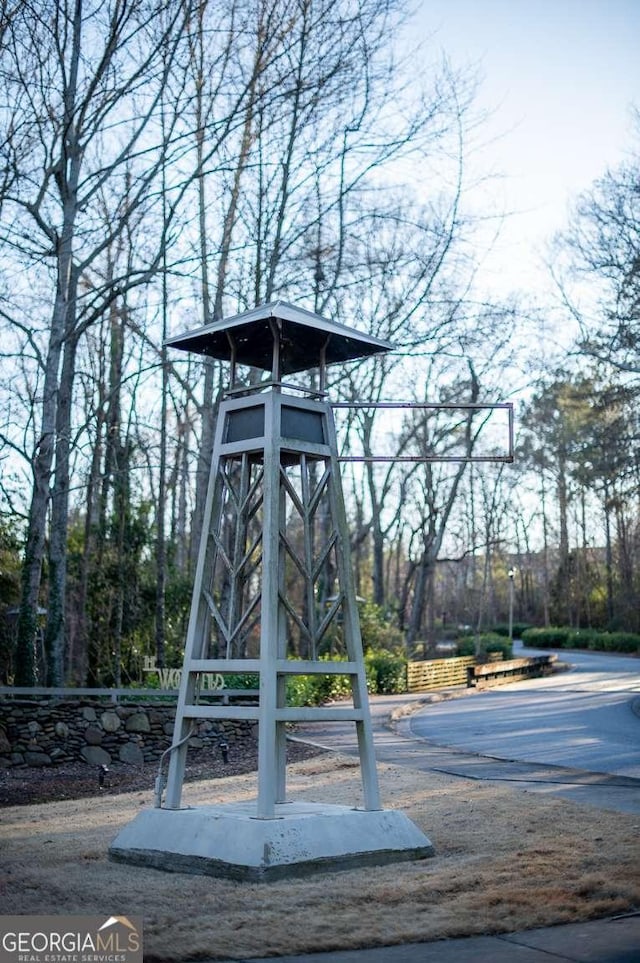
(302, 337)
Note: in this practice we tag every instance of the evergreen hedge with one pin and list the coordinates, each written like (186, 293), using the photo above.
(558, 637)
(486, 642)
(517, 629)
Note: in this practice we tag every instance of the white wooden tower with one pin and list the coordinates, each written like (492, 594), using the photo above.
(273, 595)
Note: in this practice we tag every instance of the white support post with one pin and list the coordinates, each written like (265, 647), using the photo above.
(197, 634)
(353, 637)
(269, 622)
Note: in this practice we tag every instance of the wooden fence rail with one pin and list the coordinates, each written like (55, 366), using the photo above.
(513, 670)
(438, 673)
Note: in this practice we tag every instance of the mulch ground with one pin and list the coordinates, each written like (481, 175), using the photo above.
(24, 786)
(505, 861)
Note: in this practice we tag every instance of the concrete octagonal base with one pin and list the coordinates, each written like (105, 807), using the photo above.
(228, 840)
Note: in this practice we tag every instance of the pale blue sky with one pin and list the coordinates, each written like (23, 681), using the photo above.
(561, 76)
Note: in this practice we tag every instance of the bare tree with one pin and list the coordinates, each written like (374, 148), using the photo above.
(168, 159)
(85, 85)
(600, 250)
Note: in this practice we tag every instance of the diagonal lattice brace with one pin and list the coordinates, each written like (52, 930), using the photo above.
(221, 553)
(240, 625)
(300, 565)
(229, 487)
(329, 617)
(292, 493)
(296, 618)
(217, 614)
(244, 567)
(323, 556)
(254, 492)
(318, 492)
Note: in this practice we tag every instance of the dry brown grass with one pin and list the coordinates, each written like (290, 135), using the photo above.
(505, 861)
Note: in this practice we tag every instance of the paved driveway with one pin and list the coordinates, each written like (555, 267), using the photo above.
(540, 736)
(583, 718)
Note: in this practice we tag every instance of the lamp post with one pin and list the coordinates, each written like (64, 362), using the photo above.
(512, 574)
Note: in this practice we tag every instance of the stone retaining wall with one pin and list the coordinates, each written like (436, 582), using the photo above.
(46, 732)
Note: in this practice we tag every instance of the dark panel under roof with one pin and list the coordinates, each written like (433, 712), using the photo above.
(302, 333)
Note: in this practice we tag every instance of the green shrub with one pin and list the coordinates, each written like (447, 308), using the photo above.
(386, 672)
(582, 639)
(302, 690)
(551, 638)
(314, 690)
(378, 629)
(517, 629)
(242, 680)
(466, 645)
(615, 642)
(565, 638)
(490, 642)
(484, 644)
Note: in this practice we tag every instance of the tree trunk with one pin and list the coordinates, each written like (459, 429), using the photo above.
(608, 554)
(564, 587)
(182, 482)
(423, 570)
(55, 637)
(62, 324)
(545, 551)
(377, 575)
(122, 513)
(79, 666)
(26, 665)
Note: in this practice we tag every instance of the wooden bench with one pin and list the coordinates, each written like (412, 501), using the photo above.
(511, 670)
